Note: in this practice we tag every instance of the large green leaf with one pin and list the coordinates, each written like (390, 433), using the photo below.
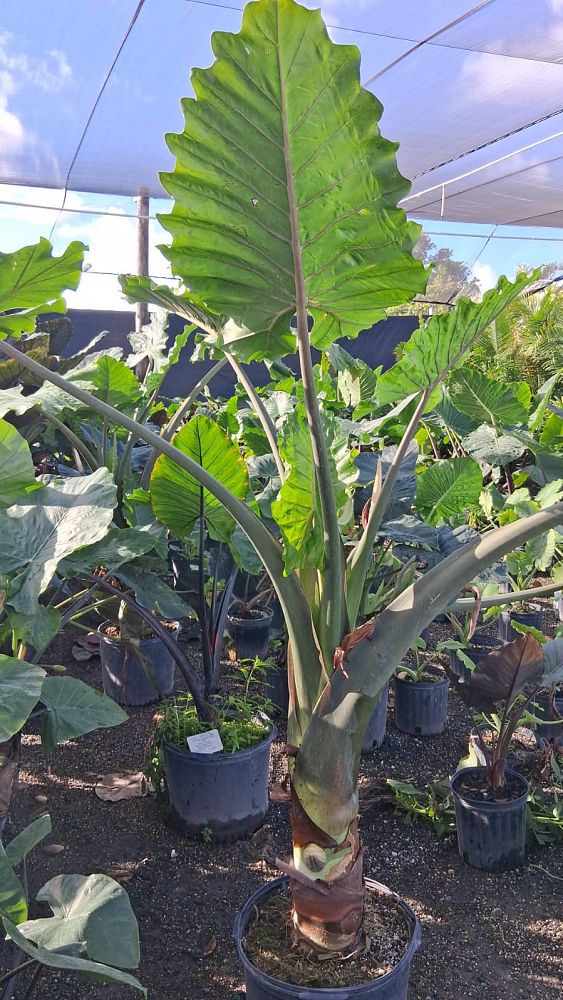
(12, 898)
(448, 488)
(22, 844)
(486, 445)
(150, 591)
(488, 400)
(175, 494)
(283, 184)
(53, 523)
(73, 709)
(17, 474)
(119, 546)
(92, 917)
(35, 628)
(20, 690)
(439, 346)
(32, 282)
(70, 963)
(113, 382)
(296, 510)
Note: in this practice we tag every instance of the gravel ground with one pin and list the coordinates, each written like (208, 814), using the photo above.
(495, 934)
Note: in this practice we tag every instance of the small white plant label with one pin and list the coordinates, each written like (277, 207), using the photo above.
(205, 742)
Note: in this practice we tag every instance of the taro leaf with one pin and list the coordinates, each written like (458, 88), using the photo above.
(24, 842)
(542, 549)
(119, 546)
(244, 553)
(114, 383)
(489, 400)
(12, 899)
(409, 530)
(404, 487)
(295, 511)
(501, 676)
(259, 131)
(92, 918)
(151, 592)
(541, 400)
(140, 289)
(17, 474)
(70, 963)
(55, 521)
(175, 494)
(151, 343)
(485, 445)
(453, 418)
(32, 282)
(439, 346)
(20, 690)
(73, 709)
(448, 488)
(36, 628)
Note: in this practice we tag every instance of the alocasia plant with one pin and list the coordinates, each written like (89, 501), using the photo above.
(285, 211)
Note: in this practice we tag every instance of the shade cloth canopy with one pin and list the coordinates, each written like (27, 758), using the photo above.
(472, 90)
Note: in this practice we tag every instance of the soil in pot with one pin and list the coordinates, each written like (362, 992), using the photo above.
(421, 707)
(131, 677)
(278, 970)
(249, 629)
(491, 824)
(531, 615)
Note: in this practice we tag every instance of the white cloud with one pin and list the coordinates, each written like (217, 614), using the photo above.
(486, 276)
(49, 72)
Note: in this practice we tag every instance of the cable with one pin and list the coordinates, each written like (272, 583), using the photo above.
(105, 82)
(76, 211)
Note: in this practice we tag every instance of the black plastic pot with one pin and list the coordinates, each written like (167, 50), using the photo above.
(226, 793)
(475, 747)
(392, 986)
(490, 835)
(421, 707)
(131, 679)
(251, 635)
(377, 724)
(276, 688)
(479, 647)
(533, 619)
(547, 730)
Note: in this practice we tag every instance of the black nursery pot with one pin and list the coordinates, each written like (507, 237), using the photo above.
(375, 734)
(251, 635)
(533, 619)
(259, 986)
(421, 707)
(548, 730)
(130, 679)
(226, 793)
(478, 649)
(490, 835)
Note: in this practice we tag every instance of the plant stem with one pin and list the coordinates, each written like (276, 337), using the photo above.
(359, 560)
(15, 972)
(75, 441)
(268, 425)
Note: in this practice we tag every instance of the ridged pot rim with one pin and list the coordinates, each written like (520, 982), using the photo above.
(249, 909)
(440, 682)
(253, 623)
(147, 641)
(491, 806)
(221, 755)
(536, 608)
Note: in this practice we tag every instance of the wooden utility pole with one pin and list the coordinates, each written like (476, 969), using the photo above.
(141, 308)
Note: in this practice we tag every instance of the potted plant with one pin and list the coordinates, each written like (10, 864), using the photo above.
(421, 696)
(523, 564)
(289, 238)
(468, 647)
(490, 800)
(221, 789)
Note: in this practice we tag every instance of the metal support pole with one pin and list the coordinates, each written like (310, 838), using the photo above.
(141, 308)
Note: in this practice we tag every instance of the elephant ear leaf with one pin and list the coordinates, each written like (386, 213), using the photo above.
(32, 282)
(17, 474)
(501, 676)
(176, 495)
(438, 347)
(488, 400)
(448, 488)
(259, 222)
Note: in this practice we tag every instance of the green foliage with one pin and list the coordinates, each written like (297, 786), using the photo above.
(73, 709)
(175, 494)
(32, 282)
(448, 488)
(433, 803)
(261, 122)
(488, 400)
(20, 690)
(439, 346)
(17, 474)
